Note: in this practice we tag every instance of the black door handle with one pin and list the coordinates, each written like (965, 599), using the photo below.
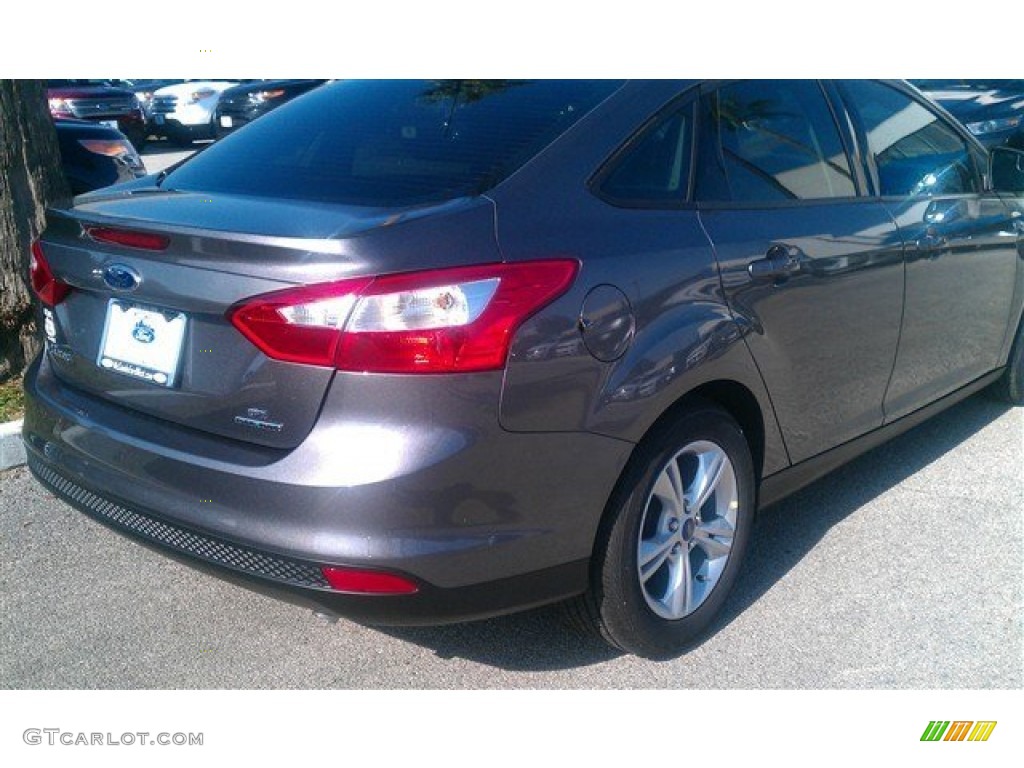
(779, 261)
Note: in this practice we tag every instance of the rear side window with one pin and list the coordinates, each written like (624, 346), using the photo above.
(392, 143)
(915, 153)
(776, 140)
(655, 170)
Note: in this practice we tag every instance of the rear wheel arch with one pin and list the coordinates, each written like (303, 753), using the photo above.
(743, 406)
(734, 398)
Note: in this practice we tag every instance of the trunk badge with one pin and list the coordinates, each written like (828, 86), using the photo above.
(121, 277)
(256, 418)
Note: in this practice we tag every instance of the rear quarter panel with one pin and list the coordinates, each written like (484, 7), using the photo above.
(684, 333)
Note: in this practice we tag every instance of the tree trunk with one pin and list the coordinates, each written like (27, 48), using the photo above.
(31, 178)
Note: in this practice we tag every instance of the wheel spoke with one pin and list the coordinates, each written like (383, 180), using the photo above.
(669, 488)
(680, 585)
(711, 464)
(676, 478)
(715, 539)
(653, 554)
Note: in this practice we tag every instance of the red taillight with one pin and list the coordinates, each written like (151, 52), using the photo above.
(300, 325)
(48, 288)
(368, 582)
(441, 321)
(146, 241)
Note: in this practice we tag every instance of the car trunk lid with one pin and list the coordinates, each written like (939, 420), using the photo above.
(126, 301)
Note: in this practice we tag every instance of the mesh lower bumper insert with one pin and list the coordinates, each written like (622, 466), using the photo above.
(182, 540)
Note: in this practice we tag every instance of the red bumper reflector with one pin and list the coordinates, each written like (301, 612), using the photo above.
(368, 582)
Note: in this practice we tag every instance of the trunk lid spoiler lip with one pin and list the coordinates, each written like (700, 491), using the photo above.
(330, 247)
(338, 222)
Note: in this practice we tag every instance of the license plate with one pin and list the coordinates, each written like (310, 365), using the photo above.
(109, 123)
(158, 119)
(142, 342)
(226, 121)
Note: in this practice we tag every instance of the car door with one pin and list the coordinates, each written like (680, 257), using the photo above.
(959, 239)
(808, 263)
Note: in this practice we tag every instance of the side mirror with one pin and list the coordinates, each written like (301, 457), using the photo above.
(1006, 169)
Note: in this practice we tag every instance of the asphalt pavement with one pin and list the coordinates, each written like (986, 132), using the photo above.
(160, 153)
(900, 570)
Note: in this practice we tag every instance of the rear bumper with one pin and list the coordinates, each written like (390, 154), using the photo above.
(300, 582)
(486, 524)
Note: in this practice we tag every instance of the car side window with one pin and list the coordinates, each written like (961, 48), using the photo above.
(654, 168)
(776, 140)
(915, 152)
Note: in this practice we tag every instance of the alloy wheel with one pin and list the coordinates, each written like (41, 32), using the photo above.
(687, 530)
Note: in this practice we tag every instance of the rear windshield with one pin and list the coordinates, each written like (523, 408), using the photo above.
(392, 143)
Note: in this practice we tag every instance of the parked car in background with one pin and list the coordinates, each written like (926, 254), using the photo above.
(993, 110)
(95, 156)
(426, 351)
(99, 102)
(185, 112)
(144, 90)
(242, 104)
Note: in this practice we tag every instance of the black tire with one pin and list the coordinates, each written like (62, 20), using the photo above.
(181, 137)
(138, 140)
(615, 604)
(1010, 386)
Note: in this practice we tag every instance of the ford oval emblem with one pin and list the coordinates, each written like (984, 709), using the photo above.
(121, 277)
(143, 333)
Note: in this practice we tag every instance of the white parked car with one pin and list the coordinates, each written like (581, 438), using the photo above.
(184, 112)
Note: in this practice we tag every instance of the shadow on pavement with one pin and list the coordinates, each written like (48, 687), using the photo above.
(536, 640)
(790, 529)
(540, 640)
